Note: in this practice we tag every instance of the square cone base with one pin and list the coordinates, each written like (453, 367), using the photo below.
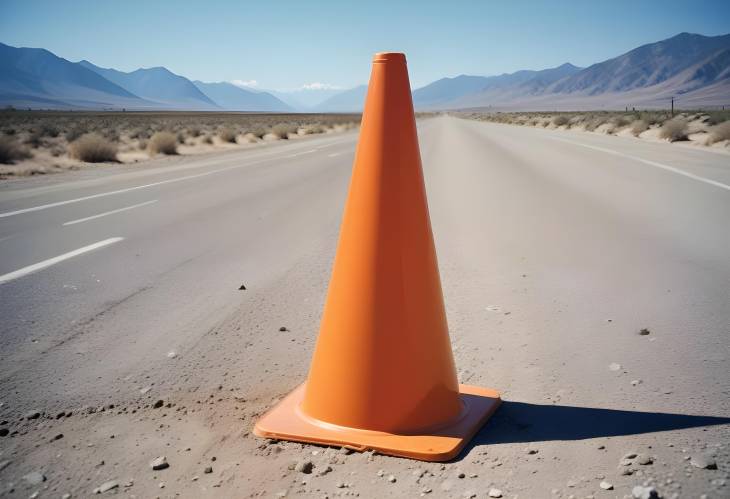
(287, 422)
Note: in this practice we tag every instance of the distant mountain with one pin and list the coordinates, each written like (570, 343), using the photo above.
(692, 67)
(446, 91)
(307, 98)
(36, 78)
(234, 98)
(159, 85)
(351, 100)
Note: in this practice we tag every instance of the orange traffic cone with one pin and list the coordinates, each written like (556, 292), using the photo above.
(382, 376)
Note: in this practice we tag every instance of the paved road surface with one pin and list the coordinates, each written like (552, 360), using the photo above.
(555, 249)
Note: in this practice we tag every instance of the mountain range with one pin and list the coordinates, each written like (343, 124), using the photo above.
(694, 69)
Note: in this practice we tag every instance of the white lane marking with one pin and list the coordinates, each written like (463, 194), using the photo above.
(301, 153)
(80, 220)
(650, 163)
(52, 261)
(333, 155)
(120, 191)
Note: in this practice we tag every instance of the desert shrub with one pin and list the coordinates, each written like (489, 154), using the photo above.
(11, 151)
(282, 130)
(717, 117)
(620, 121)
(317, 128)
(93, 148)
(194, 131)
(258, 132)
(74, 133)
(720, 132)
(208, 139)
(162, 143)
(674, 129)
(638, 126)
(560, 120)
(227, 135)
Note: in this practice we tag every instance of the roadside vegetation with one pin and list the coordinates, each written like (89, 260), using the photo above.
(39, 142)
(707, 128)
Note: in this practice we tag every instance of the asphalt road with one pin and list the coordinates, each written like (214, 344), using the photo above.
(555, 249)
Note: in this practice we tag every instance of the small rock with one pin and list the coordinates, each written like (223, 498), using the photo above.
(304, 467)
(171, 355)
(635, 382)
(630, 455)
(469, 494)
(340, 485)
(4, 464)
(426, 490)
(66, 496)
(495, 493)
(381, 473)
(242, 287)
(640, 492)
(644, 460)
(391, 478)
(4, 432)
(282, 493)
(208, 469)
(282, 329)
(159, 463)
(58, 436)
(106, 486)
(34, 478)
(614, 366)
(531, 451)
(145, 389)
(158, 404)
(605, 485)
(60, 414)
(460, 475)
(703, 462)
(644, 332)
(195, 478)
(324, 470)
(33, 415)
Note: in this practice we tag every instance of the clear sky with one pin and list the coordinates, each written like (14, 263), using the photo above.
(283, 44)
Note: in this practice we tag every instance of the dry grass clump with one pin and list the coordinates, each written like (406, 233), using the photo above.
(11, 151)
(720, 132)
(227, 135)
(561, 120)
(162, 143)
(93, 148)
(312, 129)
(282, 130)
(638, 127)
(674, 129)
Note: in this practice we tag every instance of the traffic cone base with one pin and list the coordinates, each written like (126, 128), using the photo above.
(287, 421)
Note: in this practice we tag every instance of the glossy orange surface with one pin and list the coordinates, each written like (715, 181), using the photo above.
(383, 360)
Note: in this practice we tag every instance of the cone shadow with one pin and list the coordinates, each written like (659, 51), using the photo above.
(521, 422)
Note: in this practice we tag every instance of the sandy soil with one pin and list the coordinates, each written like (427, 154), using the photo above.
(549, 277)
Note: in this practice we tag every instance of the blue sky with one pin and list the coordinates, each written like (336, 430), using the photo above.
(285, 45)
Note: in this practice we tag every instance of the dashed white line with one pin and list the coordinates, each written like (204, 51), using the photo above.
(301, 153)
(120, 191)
(333, 155)
(93, 217)
(650, 163)
(52, 261)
